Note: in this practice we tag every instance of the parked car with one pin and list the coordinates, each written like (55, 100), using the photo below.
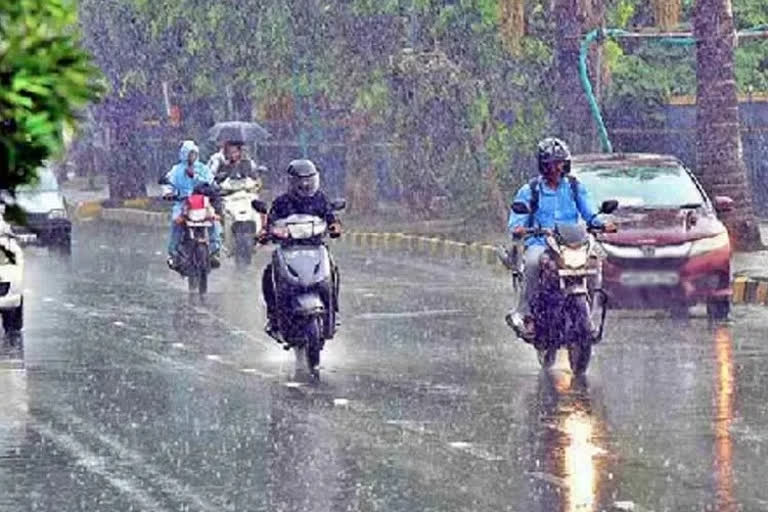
(671, 250)
(11, 275)
(45, 209)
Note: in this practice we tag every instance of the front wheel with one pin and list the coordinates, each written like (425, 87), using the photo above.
(580, 334)
(547, 357)
(718, 310)
(313, 347)
(13, 319)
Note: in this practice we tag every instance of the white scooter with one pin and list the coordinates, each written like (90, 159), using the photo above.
(240, 222)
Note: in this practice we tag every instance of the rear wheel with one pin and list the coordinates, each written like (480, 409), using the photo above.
(547, 357)
(718, 310)
(244, 242)
(198, 273)
(313, 347)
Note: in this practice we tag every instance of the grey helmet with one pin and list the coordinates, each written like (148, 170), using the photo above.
(552, 150)
(304, 178)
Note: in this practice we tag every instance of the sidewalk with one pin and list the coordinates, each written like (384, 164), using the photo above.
(753, 264)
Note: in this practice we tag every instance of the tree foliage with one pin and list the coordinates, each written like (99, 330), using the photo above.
(45, 78)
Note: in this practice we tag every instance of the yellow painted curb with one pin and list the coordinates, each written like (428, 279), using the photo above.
(739, 290)
(761, 294)
(88, 210)
(137, 202)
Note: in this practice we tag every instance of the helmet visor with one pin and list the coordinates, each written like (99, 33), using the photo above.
(305, 186)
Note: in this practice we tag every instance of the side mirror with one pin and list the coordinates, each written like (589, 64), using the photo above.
(338, 204)
(609, 206)
(723, 204)
(163, 180)
(259, 205)
(520, 207)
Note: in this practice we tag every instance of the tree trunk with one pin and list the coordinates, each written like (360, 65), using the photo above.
(718, 137)
(573, 19)
(666, 13)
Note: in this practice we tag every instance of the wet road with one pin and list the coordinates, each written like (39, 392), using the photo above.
(130, 394)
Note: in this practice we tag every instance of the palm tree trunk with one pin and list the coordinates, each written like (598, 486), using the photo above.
(718, 137)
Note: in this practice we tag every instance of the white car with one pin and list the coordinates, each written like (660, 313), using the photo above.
(11, 280)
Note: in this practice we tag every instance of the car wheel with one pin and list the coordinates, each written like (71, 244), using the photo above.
(13, 319)
(680, 311)
(718, 310)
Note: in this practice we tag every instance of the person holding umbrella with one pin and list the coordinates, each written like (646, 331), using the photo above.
(232, 136)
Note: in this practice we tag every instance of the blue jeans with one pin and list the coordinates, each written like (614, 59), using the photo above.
(177, 232)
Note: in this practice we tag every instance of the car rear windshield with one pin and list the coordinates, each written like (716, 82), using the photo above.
(46, 182)
(640, 187)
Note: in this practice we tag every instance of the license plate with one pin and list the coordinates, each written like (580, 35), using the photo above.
(639, 279)
(26, 238)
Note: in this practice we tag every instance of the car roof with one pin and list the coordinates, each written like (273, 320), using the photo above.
(625, 160)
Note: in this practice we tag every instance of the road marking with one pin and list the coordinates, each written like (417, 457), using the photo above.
(259, 373)
(340, 402)
(169, 485)
(48, 299)
(233, 330)
(178, 345)
(475, 450)
(99, 466)
(214, 357)
(409, 314)
(293, 385)
(118, 323)
(549, 478)
(418, 427)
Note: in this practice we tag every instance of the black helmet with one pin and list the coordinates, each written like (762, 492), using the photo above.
(305, 180)
(552, 150)
(301, 168)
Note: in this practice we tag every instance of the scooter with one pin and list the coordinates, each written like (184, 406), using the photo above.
(568, 292)
(306, 284)
(240, 222)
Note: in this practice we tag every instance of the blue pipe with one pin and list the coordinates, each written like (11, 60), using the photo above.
(600, 34)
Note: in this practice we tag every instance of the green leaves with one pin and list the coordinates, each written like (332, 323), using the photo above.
(45, 77)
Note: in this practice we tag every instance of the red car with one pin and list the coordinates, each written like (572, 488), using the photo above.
(670, 250)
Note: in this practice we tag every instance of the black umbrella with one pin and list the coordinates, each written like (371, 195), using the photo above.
(241, 131)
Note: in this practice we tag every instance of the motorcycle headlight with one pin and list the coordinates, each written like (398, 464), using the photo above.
(574, 258)
(57, 214)
(710, 244)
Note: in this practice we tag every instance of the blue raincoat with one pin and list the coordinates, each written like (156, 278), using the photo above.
(555, 206)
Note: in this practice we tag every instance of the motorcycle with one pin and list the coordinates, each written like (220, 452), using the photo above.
(193, 259)
(569, 292)
(306, 284)
(240, 222)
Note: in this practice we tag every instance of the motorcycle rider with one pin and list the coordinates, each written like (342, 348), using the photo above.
(236, 163)
(180, 182)
(303, 197)
(553, 197)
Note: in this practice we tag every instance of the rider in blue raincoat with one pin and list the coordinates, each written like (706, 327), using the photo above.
(181, 181)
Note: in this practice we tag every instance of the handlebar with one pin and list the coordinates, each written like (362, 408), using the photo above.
(539, 231)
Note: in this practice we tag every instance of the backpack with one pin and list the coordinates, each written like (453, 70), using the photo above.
(534, 184)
